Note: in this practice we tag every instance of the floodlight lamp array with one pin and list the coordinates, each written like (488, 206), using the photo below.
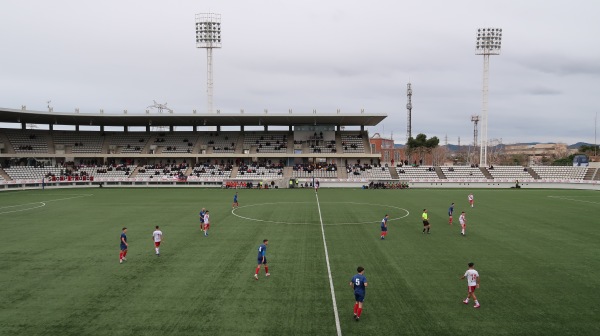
(208, 30)
(489, 41)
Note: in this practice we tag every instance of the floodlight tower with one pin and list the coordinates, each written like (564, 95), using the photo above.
(408, 111)
(208, 36)
(489, 41)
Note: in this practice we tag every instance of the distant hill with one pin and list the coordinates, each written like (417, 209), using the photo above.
(454, 148)
(579, 144)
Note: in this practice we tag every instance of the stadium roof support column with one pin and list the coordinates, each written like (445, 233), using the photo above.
(101, 128)
(77, 128)
(362, 128)
(266, 128)
(23, 125)
(51, 127)
(147, 128)
(171, 128)
(291, 128)
(241, 128)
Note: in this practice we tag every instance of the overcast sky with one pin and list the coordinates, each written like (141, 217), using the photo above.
(324, 55)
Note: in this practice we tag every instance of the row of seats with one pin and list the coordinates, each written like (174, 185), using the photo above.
(545, 172)
(382, 173)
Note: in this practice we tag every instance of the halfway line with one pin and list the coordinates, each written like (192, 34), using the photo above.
(335, 310)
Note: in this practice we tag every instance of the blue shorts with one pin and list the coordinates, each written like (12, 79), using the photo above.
(358, 297)
(260, 261)
(383, 228)
(123, 247)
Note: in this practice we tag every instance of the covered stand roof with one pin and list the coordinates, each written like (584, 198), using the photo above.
(190, 119)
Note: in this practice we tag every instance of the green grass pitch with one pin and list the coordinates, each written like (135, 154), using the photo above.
(537, 252)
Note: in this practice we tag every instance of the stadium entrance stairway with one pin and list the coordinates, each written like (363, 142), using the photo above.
(287, 173)
(134, 172)
(342, 173)
(50, 142)
(234, 172)
(534, 174)
(394, 173)
(486, 173)
(338, 143)
(8, 148)
(4, 175)
(440, 173)
(591, 174)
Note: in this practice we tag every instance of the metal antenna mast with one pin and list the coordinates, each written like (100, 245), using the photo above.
(475, 120)
(489, 41)
(208, 36)
(408, 111)
(160, 108)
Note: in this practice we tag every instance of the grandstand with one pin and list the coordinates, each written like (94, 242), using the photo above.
(314, 146)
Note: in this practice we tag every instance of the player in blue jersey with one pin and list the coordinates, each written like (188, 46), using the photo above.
(202, 213)
(359, 283)
(235, 201)
(124, 245)
(450, 212)
(384, 226)
(262, 258)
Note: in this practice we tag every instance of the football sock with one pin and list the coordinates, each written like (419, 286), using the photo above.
(467, 300)
(427, 230)
(358, 312)
(120, 255)
(423, 230)
(476, 302)
(124, 253)
(266, 269)
(257, 269)
(355, 308)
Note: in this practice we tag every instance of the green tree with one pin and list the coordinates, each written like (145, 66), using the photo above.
(421, 145)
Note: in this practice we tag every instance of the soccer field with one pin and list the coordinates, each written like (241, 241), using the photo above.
(536, 252)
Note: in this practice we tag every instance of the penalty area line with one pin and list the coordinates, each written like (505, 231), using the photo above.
(335, 310)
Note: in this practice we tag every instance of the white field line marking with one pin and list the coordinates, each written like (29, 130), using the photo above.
(233, 212)
(335, 310)
(574, 200)
(43, 203)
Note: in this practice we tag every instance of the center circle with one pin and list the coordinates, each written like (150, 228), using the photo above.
(233, 211)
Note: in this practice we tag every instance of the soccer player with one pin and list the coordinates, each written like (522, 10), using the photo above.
(157, 237)
(463, 223)
(262, 258)
(317, 184)
(235, 201)
(384, 226)
(206, 223)
(202, 213)
(450, 212)
(359, 283)
(472, 282)
(425, 217)
(471, 199)
(124, 246)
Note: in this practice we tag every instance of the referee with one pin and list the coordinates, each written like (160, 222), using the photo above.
(425, 217)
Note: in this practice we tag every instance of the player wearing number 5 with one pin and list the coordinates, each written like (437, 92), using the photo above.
(359, 283)
(473, 282)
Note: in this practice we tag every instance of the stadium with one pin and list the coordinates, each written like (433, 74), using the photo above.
(322, 196)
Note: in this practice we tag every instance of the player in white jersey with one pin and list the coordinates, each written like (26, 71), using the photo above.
(206, 223)
(472, 282)
(157, 237)
(463, 223)
(471, 199)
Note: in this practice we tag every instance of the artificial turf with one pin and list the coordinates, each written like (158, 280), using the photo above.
(536, 251)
